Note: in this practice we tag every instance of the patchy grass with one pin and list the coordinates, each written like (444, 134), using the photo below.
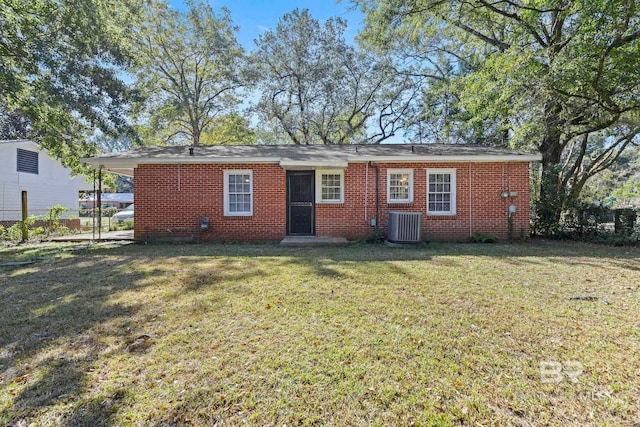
(16, 252)
(364, 335)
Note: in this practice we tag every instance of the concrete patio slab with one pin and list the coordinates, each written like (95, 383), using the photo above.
(104, 236)
(311, 241)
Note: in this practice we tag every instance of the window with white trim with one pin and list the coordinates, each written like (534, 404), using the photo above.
(238, 193)
(330, 186)
(399, 185)
(441, 191)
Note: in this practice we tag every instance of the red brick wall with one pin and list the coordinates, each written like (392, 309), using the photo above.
(479, 205)
(173, 197)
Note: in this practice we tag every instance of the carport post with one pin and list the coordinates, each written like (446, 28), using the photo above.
(100, 203)
(25, 230)
(93, 208)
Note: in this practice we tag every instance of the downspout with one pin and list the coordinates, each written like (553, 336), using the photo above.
(100, 203)
(510, 215)
(374, 166)
(470, 205)
(93, 207)
(366, 192)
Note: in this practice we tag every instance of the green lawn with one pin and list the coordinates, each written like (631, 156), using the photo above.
(446, 334)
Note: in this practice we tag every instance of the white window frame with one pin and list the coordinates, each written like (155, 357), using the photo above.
(227, 174)
(319, 173)
(452, 199)
(399, 171)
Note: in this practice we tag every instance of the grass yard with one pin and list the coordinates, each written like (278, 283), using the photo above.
(446, 334)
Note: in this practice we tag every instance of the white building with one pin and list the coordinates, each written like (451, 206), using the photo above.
(24, 166)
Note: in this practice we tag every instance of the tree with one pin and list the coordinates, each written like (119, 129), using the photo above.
(188, 71)
(559, 76)
(61, 69)
(14, 125)
(620, 181)
(321, 90)
(230, 129)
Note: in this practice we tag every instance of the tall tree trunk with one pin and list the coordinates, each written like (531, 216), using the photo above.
(550, 204)
(195, 135)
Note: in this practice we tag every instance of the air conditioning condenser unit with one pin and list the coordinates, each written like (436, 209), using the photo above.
(404, 227)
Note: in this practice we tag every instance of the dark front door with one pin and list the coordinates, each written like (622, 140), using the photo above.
(300, 203)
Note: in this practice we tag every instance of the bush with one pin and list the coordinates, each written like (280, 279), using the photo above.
(14, 232)
(110, 211)
(484, 238)
(586, 219)
(53, 217)
(376, 236)
(588, 222)
(625, 221)
(617, 240)
(126, 225)
(580, 219)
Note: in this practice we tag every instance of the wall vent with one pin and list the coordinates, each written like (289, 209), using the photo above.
(405, 227)
(27, 161)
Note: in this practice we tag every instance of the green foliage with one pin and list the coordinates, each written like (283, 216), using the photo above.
(483, 238)
(47, 224)
(61, 72)
(617, 240)
(630, 189)
(230, 129)
(53, 216)
(625, 221)
(557, 77)
(549, 204)
(110, 211)
(594, 222)
(586, 218)
(14, 232)
(188, 71)
(318, 89)
(375, 237)
(125, 225)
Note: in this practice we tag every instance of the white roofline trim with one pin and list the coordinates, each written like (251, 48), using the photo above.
(130, 163)
(310, 164)
(133, 162)
(121, 171)
(450, 158)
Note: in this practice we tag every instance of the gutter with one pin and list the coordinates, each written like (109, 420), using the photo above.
(125, 166)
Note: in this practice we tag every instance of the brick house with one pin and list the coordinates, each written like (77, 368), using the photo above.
(268, 192)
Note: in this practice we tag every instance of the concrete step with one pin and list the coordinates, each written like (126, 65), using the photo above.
(310, 241)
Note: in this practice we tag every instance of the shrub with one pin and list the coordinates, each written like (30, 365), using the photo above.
(484, 238)
(586, 218)
(14, 232)
(110, 211)
(53, 216)
(625, 221)
(376, 236)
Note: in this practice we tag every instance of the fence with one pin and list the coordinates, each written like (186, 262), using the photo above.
(75, 219)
